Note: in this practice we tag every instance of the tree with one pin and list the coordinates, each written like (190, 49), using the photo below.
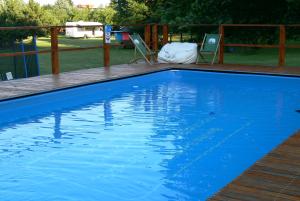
(103, 15)
(173, 11)
(129, 11)
(258, 11)
(48, 18)
(81, 14)
(17, 13)
(12, 13)
(210, 12)
(293, 10)
(34, 13)
(63, 10)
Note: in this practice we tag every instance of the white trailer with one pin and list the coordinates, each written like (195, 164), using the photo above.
(84, 32)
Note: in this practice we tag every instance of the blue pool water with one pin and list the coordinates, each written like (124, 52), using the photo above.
(172, 135)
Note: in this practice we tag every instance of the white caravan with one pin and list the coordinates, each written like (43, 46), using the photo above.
(84, 32)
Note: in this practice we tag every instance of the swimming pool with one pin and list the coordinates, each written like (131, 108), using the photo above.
(171, 135)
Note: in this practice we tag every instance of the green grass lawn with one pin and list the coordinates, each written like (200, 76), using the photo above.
(76, 60)
(82, 59)
(268, 57)
(94, 58)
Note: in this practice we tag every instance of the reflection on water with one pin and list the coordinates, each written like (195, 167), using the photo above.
(108, 117)
(181, 136)
(57, 119)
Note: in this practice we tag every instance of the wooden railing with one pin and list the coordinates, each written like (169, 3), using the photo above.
(281, 46)
(151, 37)
(54, 31)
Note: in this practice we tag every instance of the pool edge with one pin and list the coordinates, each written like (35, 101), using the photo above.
(134, 74)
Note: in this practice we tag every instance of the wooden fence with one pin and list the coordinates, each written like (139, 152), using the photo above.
(281, 46)
(151, 37)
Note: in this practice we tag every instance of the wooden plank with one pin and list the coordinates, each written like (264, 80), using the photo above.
(274, 177)
(293, 25)
(24, 53)
(165, 34)
(88, 48)
(282, 41)
(193, 25)
(23, 28)
(155, 37)
(54, 51)
(106, 53)
(250, 45)
(221, 48)
(33, 85)
(147, 35)
(292, 46)
(59, 50)
(80, 48)
(13, 88)
(250, 25)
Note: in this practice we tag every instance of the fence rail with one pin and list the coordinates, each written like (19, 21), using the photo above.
(151, 37)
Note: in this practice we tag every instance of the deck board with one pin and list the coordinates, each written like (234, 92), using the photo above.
(274, 177)
(22, 87)
(33, 85)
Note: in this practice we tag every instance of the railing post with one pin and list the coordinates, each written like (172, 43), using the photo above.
(165, 34)
(154, 38)
(147, 34)
(54, 50)
(221, 48)
(282, 41)
(106, 50)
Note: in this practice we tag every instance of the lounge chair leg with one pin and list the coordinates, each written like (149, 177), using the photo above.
(142, 47)
(213, 61)
(210, 44)
(135, 54)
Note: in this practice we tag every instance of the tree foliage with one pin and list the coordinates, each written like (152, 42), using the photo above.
(161, 11)
(14, 13)
(129, 11)
(176, 12)
(103, 15)
(226, 11)
(64, 10)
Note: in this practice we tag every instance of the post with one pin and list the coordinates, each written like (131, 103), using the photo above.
(154, 38)
(147, 34)
(221, 48)
(282, 41)
(54, 51)
(165, 34)
(106, 49)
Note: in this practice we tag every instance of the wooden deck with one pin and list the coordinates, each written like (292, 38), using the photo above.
(34, 85)
(275, 177)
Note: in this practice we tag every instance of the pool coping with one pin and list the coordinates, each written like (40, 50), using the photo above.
(158, 68)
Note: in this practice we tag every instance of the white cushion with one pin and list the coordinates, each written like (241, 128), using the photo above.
(184, 53)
